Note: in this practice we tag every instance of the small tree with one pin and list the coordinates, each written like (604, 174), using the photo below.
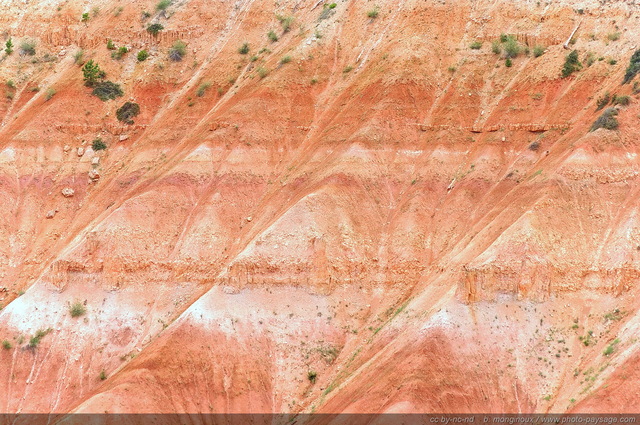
(92, 73)
(633, 68)
(8, 46)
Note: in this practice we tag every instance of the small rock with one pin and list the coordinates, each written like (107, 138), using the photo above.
(67, 192)
(95, 160)
(51, 213)
(249, 218)
(66, 148)
(94, 175)
(80, 151)
(123, 137)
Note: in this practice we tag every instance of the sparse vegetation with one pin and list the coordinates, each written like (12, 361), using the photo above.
(508, 63)
(103, 375)
(202, 89)
(37, 338)
(286, 22)
(347, 69)
(163, 5)
(496, 48)
(49, 93)
(177, 51)
(106, 90)
(311, 376)
(272, 36)
(633, 68)
(262, 72)
(538, 51)
(607, 120)
(78, 309)
(127, 112)
(8, 46)
(142, 55)
(85, 17)
(534, 146)
(327, 12)
(154, 29)
(476, 45)
(614, 36)
(78, 57)
(571, 64)
(244, 49)
(11, 84)
(511, 48)
(612, 61)
(28, 47)
(6, 345)
(285, 59)
(611, 347)
(111, 45)
(603, 101)
(621, 100)
(118, 54)
(373, 13)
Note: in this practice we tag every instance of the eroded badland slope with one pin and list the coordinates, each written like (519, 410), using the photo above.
(386, 221)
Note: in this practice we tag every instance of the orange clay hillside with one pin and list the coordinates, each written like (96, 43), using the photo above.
(298, 206)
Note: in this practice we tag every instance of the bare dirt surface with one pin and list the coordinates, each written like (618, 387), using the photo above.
(366, 215)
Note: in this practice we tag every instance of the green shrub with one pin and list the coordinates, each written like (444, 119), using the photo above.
(285, 59)
(118, 54)
(77, 309)
(286, 22)
(612, 61)
(142, 55)
(272, 36)
(571, 64)
(603, 101)
(333, 5)
(504, 38)
(607, 120)
(511, 48)
(253, 58)
(37, 338)
(106, 90)
(311, 376)
(154, 28)
(202, 89)
(347, 69)
(103, 375)
(28, 47)
(111, 45)
(85, 17)
(538, 51)
(262, 72)
(8, 46)
(163, 4)
(476, 45)
(373, 13)
(11, 84)
(614, 36)
(496, 48)
(508, 63)
(6, 345)
(92, 73)
(327, 12)
(244, 49)
(633, 68)
(127, 112)
(621, 100)
(49, 93)
(177, 51)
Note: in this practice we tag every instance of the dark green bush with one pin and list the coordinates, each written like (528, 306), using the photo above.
(77, 309)
(603, 101)
(154, 28)
(621, 100)
(107, 90)
(571, 64)
(633, 68)
(35, 340)
(476, 45)
(127, 112)
(28, 47)
(142, 55)
(92, 73)
(538, 51)
(607, 120)
(244, 49)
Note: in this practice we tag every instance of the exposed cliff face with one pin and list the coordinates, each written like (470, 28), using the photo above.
(422, 227)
